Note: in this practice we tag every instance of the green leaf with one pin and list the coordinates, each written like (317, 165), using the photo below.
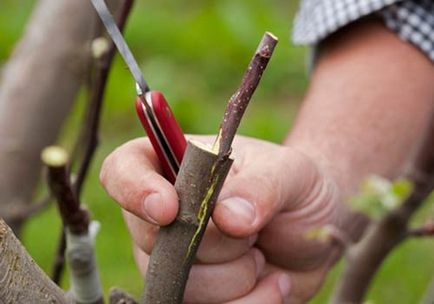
(379, 196)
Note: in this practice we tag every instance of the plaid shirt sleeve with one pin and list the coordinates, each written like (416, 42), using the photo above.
(412, 20)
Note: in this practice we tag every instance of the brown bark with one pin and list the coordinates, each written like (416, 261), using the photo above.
(118, 296)
(39, 84)
(240, 99)
(22, 281)
(201, 176)
(199, 181)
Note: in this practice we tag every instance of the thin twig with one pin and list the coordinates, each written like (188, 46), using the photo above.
(91, 126)
(239, 101)
(89, 134)
(382, 237)
(426, 229)
(84, 277)
(59, 259)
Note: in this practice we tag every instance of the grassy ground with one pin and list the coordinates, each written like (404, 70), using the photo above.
(196, 53)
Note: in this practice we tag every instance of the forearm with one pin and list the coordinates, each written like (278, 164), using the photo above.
(368, 105)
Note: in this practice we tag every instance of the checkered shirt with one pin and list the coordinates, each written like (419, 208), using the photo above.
(412, 20)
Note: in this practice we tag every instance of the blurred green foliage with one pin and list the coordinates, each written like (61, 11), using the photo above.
(196, 53)
(378, 196)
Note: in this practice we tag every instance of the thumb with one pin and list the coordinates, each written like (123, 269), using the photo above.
(263, 186)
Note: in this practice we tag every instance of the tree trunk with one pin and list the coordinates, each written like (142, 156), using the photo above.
(39, 85)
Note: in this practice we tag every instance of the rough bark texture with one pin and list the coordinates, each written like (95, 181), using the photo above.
(39, 84)
(199, 182)
(22, 281)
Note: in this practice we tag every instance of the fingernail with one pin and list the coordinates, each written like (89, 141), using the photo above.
(284, 285)
(240, 208)
(153, 207)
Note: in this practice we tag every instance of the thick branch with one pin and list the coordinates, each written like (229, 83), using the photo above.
(22, 281)
(199, 181)
(425, 230)
(201, 176)
(239, 101)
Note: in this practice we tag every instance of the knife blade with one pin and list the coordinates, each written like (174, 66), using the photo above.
(155, 115)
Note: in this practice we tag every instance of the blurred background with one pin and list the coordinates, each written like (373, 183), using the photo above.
(196, 53)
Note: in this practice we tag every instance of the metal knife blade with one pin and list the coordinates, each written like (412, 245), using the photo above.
(120, 43)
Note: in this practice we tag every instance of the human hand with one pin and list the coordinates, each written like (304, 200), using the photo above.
(255, 248)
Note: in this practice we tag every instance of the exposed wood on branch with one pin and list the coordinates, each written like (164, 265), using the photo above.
(240, 99)
(80, 253)
(90, 131)
(73, 216)
(199, 181)
(201, 176)
(22, 281)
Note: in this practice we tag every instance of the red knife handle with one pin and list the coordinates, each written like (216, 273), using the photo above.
(164, 132)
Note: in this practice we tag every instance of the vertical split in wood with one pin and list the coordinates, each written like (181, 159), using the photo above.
(201, 176)
(200, 179)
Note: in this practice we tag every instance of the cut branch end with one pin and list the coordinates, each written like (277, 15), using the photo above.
(54, 156)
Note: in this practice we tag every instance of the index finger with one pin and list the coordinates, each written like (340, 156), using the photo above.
(131, 175)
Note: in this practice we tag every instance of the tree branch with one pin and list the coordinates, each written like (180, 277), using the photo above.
(201, 176)
(85, 284)
(22, 281)
(39, 85)
(382, 237)
(90, 130)
(240, 99)
(88, 137)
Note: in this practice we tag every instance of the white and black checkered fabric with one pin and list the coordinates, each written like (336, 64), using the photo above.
(413, 20)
